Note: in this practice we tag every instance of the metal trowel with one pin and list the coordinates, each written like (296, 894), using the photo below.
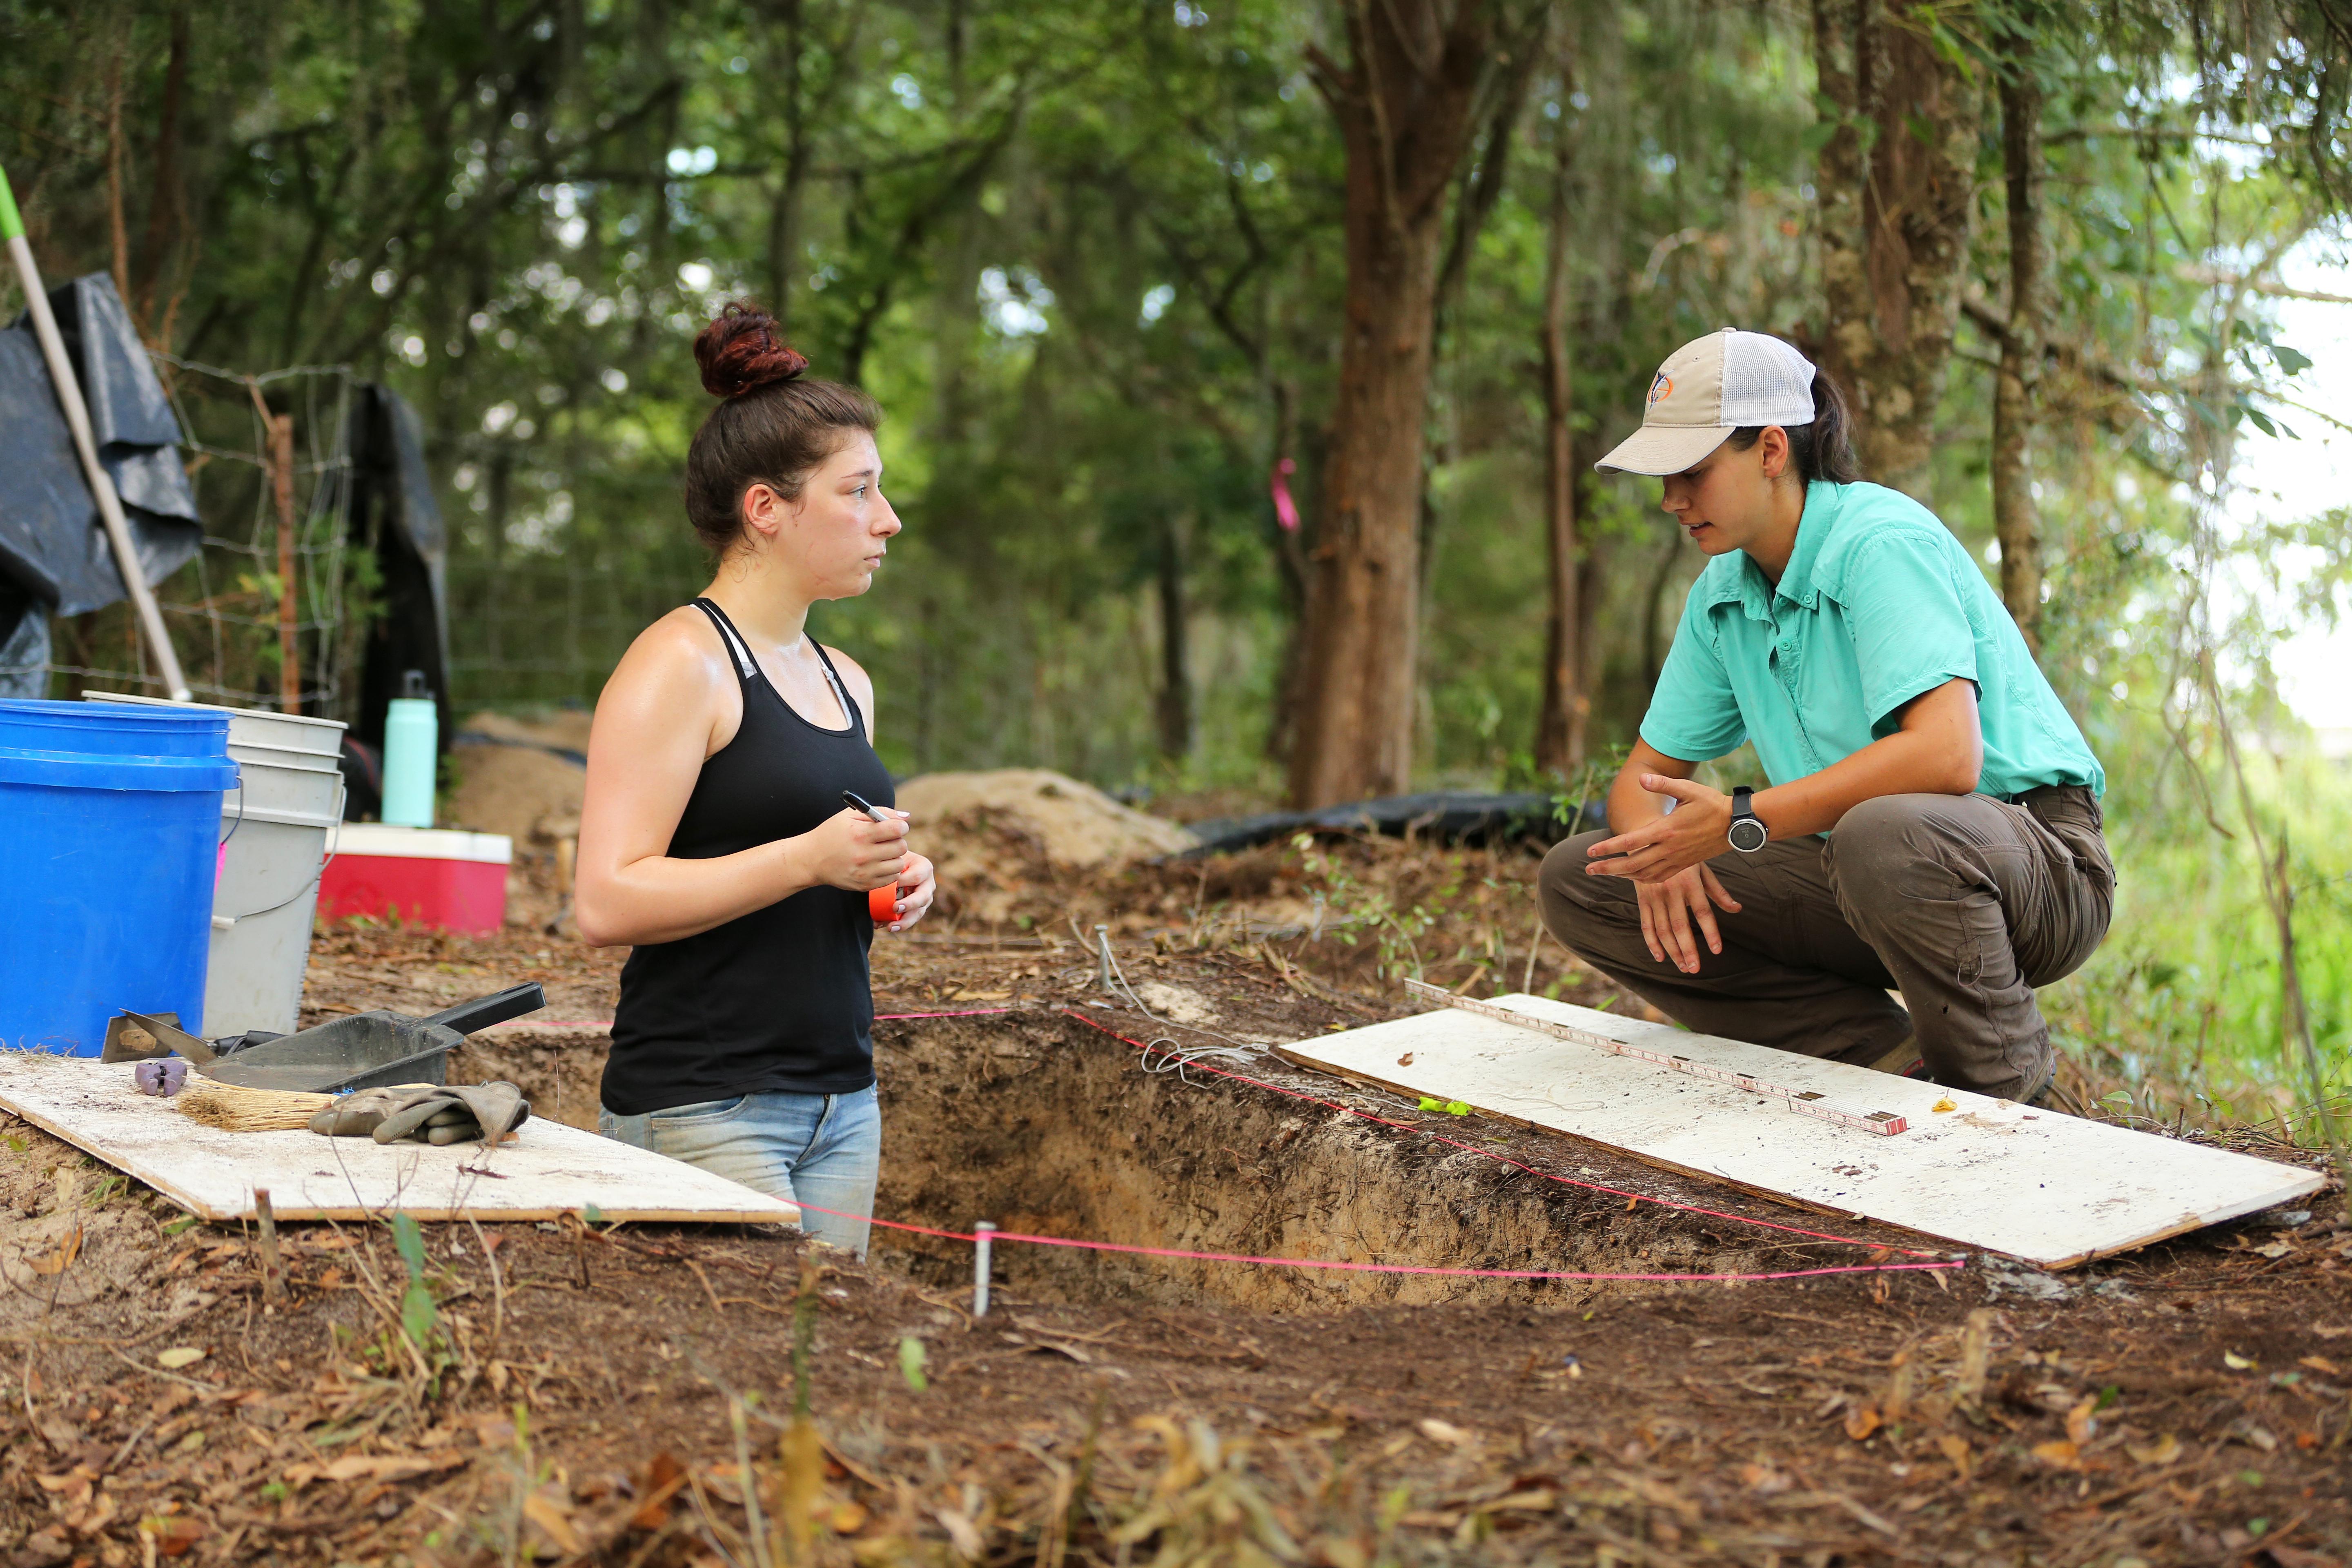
(163, 1028)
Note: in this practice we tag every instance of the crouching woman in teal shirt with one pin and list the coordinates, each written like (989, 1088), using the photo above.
(1932, 823)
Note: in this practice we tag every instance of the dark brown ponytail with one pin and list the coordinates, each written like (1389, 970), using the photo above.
(1821, 451)
(776, 422)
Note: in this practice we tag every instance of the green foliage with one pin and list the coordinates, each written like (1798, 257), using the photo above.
(1090, 260)
(912, 1358)
(420, 1313)
(2182, 1006)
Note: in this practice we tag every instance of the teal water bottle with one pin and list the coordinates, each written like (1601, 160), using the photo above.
(411, 751)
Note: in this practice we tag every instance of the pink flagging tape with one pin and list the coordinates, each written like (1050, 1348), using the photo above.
(527, 1024)
(887, 1224)
(974, 1013)
(1489, 1153)
(1464, 1273)
(1181, 1253)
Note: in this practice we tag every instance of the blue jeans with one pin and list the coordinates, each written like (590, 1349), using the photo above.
(823, 1149)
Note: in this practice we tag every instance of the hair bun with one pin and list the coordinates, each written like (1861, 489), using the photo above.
(740, 352)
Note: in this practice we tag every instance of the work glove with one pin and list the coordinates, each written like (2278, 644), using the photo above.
(430, 1113)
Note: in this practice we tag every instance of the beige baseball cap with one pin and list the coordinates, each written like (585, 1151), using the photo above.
(1708, 388)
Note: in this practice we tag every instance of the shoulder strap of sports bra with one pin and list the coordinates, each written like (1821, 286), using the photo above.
(745, 665)
(833, 679)
(748, 667)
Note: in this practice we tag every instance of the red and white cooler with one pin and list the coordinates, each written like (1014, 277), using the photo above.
(438, 877)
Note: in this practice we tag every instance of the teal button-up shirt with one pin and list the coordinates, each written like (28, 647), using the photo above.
(1880, 604)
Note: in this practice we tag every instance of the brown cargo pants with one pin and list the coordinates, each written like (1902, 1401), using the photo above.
(1964, 903)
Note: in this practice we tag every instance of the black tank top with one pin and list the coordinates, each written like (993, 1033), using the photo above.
(780, 999)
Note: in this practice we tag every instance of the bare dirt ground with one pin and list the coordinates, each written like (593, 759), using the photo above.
(626, 1396)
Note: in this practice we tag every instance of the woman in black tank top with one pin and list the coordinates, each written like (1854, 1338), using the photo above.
(714, 840)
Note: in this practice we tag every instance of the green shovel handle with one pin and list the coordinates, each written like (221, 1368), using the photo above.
(11, 225)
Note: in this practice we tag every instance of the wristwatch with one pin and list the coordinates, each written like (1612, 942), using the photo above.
(1747, 833)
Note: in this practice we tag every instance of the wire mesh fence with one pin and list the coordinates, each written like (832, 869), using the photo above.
(235, 610)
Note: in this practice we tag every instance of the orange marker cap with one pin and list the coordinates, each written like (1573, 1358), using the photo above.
(882, 903)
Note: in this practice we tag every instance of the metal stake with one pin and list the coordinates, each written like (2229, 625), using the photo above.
(273, 1282)
(1102, 951)
(981, 1235)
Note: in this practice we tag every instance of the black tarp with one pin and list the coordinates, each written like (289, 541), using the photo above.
(1448, 817)
(51, 544)
(393, 515)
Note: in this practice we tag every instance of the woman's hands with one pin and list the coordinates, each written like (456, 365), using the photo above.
(854, 852)
(917, 884)
(1696, 831)
(1664, 856)
(1672, 907)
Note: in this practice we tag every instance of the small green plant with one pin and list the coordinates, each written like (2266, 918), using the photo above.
(420, 1313)
(911, 1357)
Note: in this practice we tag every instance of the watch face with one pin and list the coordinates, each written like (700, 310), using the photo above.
(1748, 835)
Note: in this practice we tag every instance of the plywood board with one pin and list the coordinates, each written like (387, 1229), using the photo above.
(545, 1171)
(2050, 1189)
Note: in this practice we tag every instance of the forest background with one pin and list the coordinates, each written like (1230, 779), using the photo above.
(1119, 273)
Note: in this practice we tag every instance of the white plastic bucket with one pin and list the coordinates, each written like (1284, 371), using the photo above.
(277, 828)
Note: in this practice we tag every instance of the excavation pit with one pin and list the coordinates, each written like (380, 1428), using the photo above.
(1049, 1127)
(1045, 1125)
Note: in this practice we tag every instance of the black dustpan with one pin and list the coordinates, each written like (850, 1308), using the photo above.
(367, 1050)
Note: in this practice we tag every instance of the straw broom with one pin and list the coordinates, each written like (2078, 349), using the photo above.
(236, 1109)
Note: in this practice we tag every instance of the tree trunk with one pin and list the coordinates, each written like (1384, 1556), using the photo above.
(1560, 722)
(114, 193)
(1407, 107)
(2017, 520)
(1894, 208)
(1293, 573)
(784, 205)
(162, 206)
(1174, 705)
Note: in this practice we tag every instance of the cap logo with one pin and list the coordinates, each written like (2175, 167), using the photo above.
(1661, 389)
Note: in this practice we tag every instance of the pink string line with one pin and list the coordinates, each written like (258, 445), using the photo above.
(607, 1023)
(1489, 1153)
(974, 1013)
(1371, 1268)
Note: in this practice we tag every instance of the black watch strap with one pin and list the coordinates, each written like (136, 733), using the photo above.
(1748, 832)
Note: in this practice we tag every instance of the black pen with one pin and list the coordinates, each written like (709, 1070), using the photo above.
(881, 903)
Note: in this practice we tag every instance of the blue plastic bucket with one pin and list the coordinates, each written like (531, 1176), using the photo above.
(108, 820)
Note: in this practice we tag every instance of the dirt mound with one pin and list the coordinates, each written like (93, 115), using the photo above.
(1077, 826)
(520, 790)
(566, 729)
(532, 795)
(993, 835)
